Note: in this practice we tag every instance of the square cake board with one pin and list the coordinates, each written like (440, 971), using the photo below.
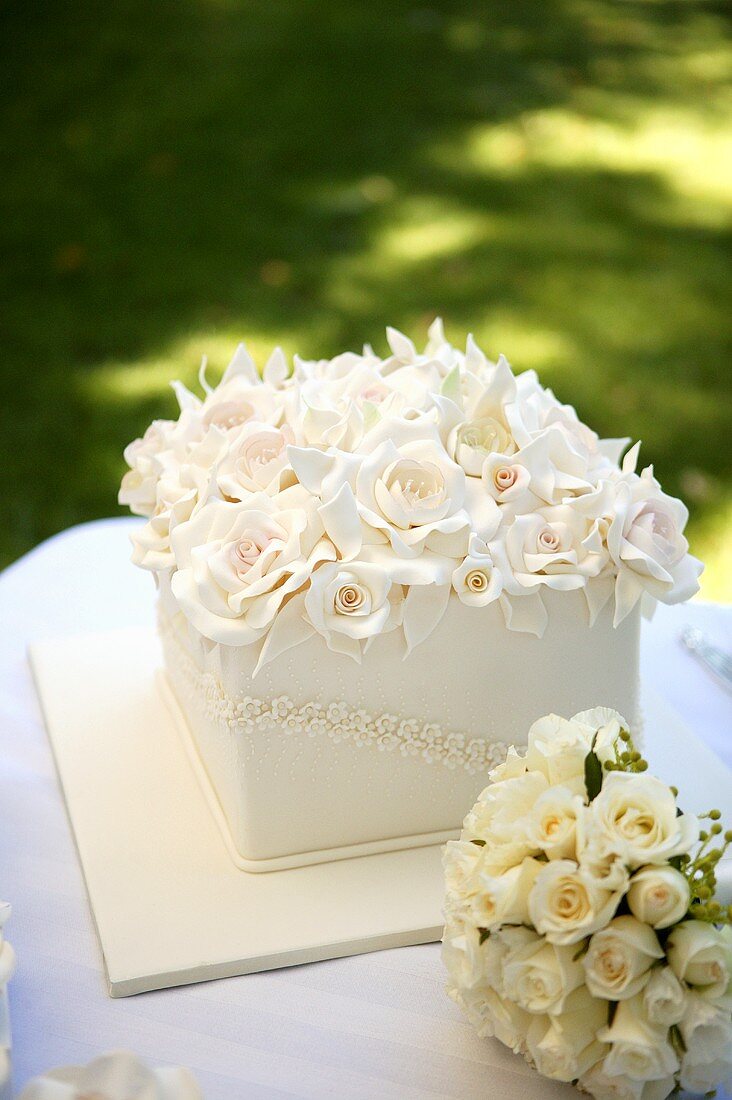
(170, 905)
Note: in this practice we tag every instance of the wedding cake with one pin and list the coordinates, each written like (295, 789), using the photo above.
(375, 573)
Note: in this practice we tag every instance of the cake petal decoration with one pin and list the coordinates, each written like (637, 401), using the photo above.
(418, 452)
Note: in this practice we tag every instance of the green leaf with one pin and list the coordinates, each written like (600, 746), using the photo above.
(593, 774)
(484, 934)
(612, 1008)
(480, 843)
(450, 387)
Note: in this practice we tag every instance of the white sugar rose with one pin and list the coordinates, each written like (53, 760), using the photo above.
(664, 997)
(707, 1033)
(413, 494)
(639, 1049)
(476, 580)
(472, 442)
(237, 562)
(539, 976)
(636, 814)
(701, 956)
(182, 489)
(461, 860)
(552, 824)
(256, 461)
(566, 906)
(618, 961)
(565, 1046)
(659, 896)
(139, 485)
(350, 602)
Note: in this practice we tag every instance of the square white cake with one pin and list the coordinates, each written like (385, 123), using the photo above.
(375, 574)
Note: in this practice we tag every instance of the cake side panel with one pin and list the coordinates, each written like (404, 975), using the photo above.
(318, 752)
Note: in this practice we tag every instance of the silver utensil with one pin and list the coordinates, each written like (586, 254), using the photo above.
(714, 659)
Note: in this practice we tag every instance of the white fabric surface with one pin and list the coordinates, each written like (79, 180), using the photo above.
(371, 1026)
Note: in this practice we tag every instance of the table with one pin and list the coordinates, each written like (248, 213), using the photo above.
(371, 1026)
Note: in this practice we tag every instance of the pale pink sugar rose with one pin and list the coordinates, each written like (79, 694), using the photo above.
(238, 562)
(547, 547)
(643, 530)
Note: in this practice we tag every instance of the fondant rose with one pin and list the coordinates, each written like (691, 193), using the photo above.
(476, 580)
(646, 543)
(182, 488)
(237, 562)
(546, 548)
(256, 461)
(413, 494)
(349, 603)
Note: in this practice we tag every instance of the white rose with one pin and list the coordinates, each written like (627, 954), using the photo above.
(557, 747)
(539, 976)
(659, 896)
(546, 548)
(639, 1049)
(619, 959)
(498, 818)
(707, 1033)
(470, 443)
(701, 956)
(461, 861)
(256, 461)
(139, 485)
(414, 494)
(602, 1086)
(636, 814)
(664, 997)
(494, 1017)
(565, 1046)
(349, 602)
(118, 1076)
(504, 898)
(552, 824)
(462, 954)
(646, 542)
(182, 490)
(566, 906)
(599, 863)
(238, 562)
(476, 580)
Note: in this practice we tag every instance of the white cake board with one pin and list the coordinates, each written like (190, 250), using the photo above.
(170, 905)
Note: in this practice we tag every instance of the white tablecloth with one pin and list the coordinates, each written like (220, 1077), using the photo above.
(376, 1025)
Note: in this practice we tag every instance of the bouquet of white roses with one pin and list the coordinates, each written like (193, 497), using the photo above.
(581, 926)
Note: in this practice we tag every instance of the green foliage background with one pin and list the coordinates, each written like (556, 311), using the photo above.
(177, 175)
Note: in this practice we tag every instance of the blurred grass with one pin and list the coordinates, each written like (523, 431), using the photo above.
(556, 177)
